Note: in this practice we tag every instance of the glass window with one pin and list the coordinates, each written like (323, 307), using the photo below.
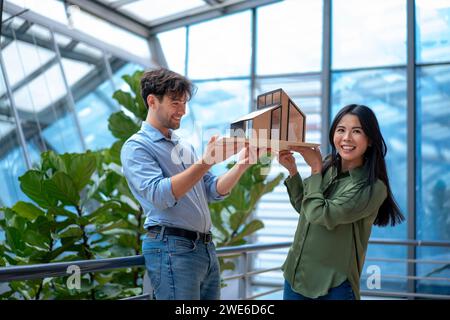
(295, 124)
(212, 56)
(148, 10)
(103, 30)
(289, 37)
(39, 91)
(384, 91)
(12, 162)
(275, 122)
(22, 59)
(368, 33)
(433, 173)
(433, 30)
(173, 44)
(84, 79)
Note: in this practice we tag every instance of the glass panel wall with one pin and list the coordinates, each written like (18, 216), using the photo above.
(432, 136)
(228, 55)
(39, 92)
(173, 44)
(368, 33)
(433, 173)
(433, 30)
(289, 37)
(12, 162)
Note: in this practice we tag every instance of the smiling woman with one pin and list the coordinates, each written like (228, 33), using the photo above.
(344, 196)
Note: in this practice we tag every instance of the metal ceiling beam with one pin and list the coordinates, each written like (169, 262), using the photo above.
(115, 17)
(198, 15)
(212, 2)
(121, 3)
(22, 29)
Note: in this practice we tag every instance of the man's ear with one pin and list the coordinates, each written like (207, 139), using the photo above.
(151, 101)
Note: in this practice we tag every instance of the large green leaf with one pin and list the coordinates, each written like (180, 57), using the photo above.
(57, 211)
(14, 239)
(122, 126)
(82, 166)
(37, 239)
(31, 184)
(126, 100)
(237, 219)
(114, 152)
(104, 209)
(112, 225)
(250, 228)
(50, 160)
(134, 81)
(27, 210)
(62, 187)
(217, 221)
(72, 230)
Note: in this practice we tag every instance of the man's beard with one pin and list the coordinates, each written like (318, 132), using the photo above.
(170, 124)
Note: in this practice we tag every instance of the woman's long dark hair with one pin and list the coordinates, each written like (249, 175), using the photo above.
(389, 211)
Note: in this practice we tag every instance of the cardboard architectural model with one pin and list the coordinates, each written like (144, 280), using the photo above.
(277, 123)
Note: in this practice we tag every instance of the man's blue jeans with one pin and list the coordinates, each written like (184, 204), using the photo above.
(341, 292)
(181, 269)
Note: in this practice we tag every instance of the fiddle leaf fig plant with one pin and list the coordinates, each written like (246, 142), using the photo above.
(73, 214)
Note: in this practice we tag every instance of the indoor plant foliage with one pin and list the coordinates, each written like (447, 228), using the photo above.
(75, 213)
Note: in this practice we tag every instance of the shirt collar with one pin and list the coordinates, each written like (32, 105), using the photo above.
(357, 174)
(156, 135)
(360, 173)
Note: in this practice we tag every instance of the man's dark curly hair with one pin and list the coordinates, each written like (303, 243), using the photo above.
(162, 82)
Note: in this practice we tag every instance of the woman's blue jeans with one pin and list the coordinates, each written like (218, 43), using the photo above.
(341, 292)
(181, 269)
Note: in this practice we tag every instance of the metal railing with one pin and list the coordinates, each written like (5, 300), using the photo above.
(30, 272)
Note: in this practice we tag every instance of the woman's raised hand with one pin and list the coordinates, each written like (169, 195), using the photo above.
(287, 160)
(312, 157)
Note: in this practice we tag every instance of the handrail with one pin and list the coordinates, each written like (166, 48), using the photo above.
(59, 269)
(39, 271)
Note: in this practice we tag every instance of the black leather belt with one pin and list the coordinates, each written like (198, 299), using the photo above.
(191, 235)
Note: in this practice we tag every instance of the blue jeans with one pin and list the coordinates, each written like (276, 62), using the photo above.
(181, 269)
(342, 292)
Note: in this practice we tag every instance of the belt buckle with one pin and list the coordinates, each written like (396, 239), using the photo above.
(207, 238)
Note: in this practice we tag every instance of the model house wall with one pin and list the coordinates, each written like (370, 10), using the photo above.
(277, 117)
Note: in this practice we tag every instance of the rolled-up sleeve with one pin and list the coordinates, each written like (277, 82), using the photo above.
(144, 173)
(210, 181)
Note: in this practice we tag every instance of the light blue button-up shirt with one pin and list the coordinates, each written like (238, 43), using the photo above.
(149, 159)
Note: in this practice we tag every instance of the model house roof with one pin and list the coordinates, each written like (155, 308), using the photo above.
(256, 113)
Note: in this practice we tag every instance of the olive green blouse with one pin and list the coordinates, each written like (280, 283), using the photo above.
(336, 217)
